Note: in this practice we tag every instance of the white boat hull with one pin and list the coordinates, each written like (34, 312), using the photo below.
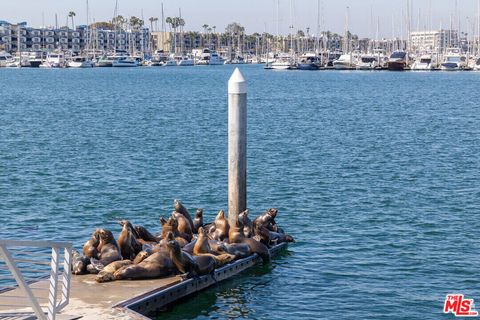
(118, 64)
(186, 63)
(84, 64)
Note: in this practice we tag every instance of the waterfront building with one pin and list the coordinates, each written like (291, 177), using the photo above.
(433, 41)
(15, 37)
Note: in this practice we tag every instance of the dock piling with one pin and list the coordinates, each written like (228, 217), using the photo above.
(237, 146)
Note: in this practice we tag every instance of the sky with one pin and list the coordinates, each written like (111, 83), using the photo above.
(258, 15)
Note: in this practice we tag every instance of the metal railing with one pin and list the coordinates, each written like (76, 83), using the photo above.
(35, 274)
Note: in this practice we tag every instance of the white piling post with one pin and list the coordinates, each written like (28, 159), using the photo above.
(237, 146)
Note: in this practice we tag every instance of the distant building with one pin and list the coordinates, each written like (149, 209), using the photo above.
(433, 41)
(19, 36)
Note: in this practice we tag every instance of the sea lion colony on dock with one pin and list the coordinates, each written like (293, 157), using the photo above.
(184, 246)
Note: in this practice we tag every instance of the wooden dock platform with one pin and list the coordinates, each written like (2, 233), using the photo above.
(127, 299)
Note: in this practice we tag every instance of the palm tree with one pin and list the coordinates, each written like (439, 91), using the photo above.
(151, 19)
(174, 23)
(72, 14)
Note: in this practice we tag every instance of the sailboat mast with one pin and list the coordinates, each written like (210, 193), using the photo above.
(478, 27)
(87, 32)
(346, 36)
(317, 39)
(163, 28)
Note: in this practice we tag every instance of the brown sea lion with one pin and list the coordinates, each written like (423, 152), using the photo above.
(110, 251)
(198, 221)
(177, 204)
(107, 272)
(276, 238)
(237, 236)
(79, 263)
(158, 265)
(267, 220)
(189, 247)
(239, 250)
(187, 264)
(217, 247)
(262, 234)
(235, 233)
(201, 244)
(221, 227)
(144, 236)
(247, 223)
(202, 247)
(184, 226)
(90, 248)
(142, 255)
(127, 241)
(171, 225)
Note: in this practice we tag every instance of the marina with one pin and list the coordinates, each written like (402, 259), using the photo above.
(362, 175)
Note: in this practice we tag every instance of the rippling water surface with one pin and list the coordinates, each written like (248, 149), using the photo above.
(375, 174)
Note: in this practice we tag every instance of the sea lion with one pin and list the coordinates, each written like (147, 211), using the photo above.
(90, 248)
(157, 265)
(201, 244)
(247, 223)
(235, 232)
(181, 209)
(221, 227)
(237, 236)
(79, 263)
(184, 226)
(127, 241)
(276, 237)
(217, 247)
(202, 247)
(171, 225)
(142, 255)
(110, 251)
(198, 221)
(239, 250)
(262, 234)
(107, 272)
(267, 220)
(187, 264)
(144, 236)
(189, 247)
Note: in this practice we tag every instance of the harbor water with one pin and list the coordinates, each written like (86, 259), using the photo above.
(376, 174)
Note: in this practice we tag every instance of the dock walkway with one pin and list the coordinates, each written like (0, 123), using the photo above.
(127, 299)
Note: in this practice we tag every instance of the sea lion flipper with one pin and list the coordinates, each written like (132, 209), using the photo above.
(96, 264)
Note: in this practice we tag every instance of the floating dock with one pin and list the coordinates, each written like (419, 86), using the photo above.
(125, 299)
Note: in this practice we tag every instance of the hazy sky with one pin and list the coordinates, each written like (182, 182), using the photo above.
(255, 15)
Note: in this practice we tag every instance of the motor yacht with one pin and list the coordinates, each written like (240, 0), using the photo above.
(5, 58)
(309, 61)
(367, 62)
(454, 60)
(80, 62)
(346, 62)
(125, 61)
(397, 61)
(54, 59)
(423, 63)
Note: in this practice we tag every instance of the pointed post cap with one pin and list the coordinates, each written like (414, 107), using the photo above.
(237, 83)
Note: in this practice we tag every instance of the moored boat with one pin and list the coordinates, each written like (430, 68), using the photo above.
(5, 58)
(80, 62)
(397, 61)
(454, 60)
(345, 62)
(125, 62)
(309, 61)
